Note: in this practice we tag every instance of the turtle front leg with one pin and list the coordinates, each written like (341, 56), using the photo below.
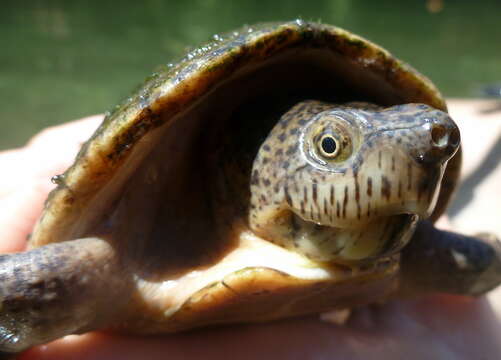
(447, 262)
(59, 289)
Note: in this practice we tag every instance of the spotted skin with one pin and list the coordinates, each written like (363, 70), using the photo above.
(364, 201)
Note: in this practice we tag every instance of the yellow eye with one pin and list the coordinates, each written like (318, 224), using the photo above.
(328, 146)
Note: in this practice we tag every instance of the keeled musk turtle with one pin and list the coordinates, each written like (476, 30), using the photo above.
(280, 170)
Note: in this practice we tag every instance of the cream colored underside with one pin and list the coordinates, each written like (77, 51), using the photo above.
(169, 295)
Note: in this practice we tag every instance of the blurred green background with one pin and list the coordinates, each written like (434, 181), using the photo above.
(61, 60)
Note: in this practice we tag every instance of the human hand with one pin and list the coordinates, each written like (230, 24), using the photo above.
(430, 327)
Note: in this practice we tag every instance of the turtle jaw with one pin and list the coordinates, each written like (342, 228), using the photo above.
(347, 243)
(365, 242)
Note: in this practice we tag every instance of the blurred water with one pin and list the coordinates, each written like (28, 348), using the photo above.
(60, 60)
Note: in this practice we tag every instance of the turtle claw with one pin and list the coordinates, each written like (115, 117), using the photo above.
(338, 316)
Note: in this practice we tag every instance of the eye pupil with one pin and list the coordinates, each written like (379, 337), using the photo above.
(329, 145)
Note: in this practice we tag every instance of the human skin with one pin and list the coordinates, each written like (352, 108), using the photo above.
(430, 327)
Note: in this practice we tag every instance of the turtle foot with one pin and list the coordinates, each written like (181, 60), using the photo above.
(56, 290)
(447, 262)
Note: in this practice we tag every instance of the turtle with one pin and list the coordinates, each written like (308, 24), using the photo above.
(281, 169)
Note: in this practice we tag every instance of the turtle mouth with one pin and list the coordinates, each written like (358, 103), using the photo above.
(381, 237)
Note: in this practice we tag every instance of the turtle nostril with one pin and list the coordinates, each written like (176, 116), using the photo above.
(454, 137)
(440, 135)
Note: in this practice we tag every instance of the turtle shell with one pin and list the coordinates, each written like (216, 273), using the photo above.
(139, 180)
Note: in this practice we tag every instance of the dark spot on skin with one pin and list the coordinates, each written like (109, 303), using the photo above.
(357, 189)
(285, 164)
(266, 147)
(263, 198)
(326, 207)
(379, 159)
(279, 152)
(385, 187)
(331, 198)
(288, 198)
(357, 196)
(345, 200)
(282, 137)
(255, 178)
(338, 209)
(293, 131)
(369, 186)
(295, 227)
(314, 192)
(302, 207)
(305, 194)
(284, 122)
(300, 168)
(409, 176)
(291, 150)
(312, 212)
(392, 163)
(266, 182)
(265, 160)
(301, 107)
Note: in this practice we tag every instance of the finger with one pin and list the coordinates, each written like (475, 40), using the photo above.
(25, 183)
(427, 328)
(48, 153)
(18, 213)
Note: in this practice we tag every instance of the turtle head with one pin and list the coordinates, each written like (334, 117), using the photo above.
(346, 183)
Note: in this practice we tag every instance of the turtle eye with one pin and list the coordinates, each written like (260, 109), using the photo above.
(328, 146)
